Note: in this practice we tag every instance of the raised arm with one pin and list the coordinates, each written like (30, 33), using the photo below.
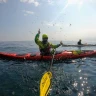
(37, 37)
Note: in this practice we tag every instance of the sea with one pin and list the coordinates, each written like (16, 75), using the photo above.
(75, 77)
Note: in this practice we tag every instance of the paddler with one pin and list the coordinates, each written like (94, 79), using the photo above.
(79, 42)
(44, 46)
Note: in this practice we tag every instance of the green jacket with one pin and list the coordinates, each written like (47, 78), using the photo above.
(45, 47)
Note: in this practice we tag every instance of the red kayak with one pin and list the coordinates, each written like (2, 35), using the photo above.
(64, 55)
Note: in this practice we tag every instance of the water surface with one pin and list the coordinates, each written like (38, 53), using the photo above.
(72, 78)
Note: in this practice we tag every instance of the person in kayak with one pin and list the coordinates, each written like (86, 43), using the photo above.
(79, 42)
(44, 46)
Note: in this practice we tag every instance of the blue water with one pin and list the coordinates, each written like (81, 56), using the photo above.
(73, 78)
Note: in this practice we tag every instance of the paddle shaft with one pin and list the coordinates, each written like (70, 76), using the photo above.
(52, 60)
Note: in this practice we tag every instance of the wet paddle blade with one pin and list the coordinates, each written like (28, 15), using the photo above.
(45, 84)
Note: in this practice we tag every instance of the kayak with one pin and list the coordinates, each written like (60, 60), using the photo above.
(63, 55)
(89, 45)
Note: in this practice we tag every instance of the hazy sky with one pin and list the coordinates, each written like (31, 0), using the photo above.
(61, 19)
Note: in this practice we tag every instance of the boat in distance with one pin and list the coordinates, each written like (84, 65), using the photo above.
(83, 45)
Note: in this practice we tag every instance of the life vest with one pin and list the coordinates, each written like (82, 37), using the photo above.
(45, 50)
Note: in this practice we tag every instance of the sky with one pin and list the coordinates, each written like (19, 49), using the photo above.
(64, 20)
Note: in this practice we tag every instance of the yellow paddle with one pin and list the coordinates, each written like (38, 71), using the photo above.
(45, 83)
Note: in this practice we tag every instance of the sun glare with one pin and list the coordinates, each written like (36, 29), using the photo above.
(77, 2)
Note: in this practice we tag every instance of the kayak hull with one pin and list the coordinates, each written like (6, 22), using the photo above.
(89, 45)
(64, 55)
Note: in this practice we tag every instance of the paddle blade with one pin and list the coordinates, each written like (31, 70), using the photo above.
(45, 84)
